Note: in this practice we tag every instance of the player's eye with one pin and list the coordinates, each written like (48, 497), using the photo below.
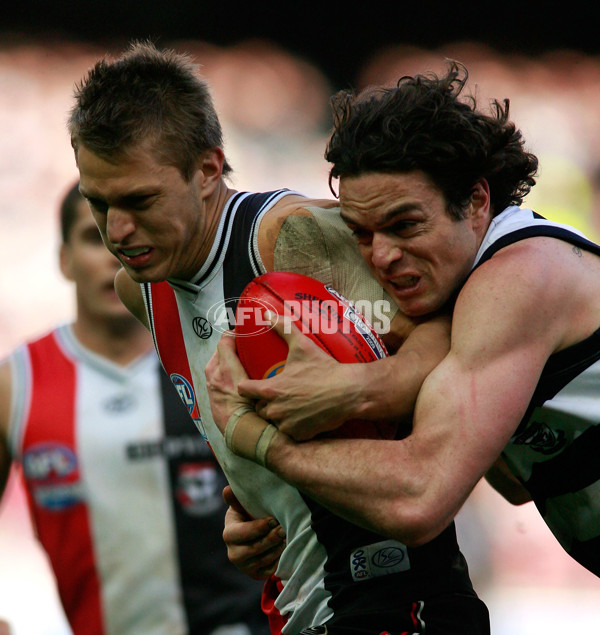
(98, 205)
(363, 236)
(403, 227)
(138, 202)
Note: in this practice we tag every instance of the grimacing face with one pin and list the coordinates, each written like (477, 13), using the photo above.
(149, 216)
(414, 248)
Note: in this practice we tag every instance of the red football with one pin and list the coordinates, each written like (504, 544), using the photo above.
(322, 314)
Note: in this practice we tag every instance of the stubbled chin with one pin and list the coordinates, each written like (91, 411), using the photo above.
(412, 306)
(137, 276)
(145, 275)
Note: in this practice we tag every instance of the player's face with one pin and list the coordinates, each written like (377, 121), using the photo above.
(416, 250)
(148, 215)
(85, 260)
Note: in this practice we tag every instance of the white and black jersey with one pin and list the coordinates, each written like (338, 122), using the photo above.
(330, 571)
(555, 449)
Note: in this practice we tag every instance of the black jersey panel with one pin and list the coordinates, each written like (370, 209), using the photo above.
(435, 569)
(197, 483)
(536, 231)
(571, 470)
(587, 553)
(240, 260)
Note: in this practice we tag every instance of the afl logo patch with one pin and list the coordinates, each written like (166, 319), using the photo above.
(185, 391)
(52, 472)
(202, 327)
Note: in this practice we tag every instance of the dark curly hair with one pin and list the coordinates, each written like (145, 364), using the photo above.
(146, 94)
(420, 124)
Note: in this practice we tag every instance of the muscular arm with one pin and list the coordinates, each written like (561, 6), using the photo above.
(508, 319)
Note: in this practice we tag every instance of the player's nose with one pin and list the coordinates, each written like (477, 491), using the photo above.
(384, 250)
(119, 225)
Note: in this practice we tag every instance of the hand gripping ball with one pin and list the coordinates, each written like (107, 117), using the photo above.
(321, 313)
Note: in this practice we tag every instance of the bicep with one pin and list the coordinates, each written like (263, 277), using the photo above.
(473, 401)
(505, 326)
(427, 343)
(401, 376)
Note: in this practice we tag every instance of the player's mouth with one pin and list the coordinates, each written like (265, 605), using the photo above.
(404, 285)
(135, 256)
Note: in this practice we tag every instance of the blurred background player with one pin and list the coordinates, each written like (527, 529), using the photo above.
(125, 496)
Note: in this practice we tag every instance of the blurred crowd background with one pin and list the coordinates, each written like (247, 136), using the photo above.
(273, 104)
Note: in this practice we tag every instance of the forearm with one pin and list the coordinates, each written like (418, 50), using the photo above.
(364, 482)
(357, 479)
(407, 489)
(315, 394)
(388, 389)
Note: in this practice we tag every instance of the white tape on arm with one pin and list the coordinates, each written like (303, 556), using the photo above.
(248, 435)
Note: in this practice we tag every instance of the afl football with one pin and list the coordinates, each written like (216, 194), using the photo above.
(318, 311)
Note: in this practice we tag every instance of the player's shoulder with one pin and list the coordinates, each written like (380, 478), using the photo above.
(528, 294)
(297, 214)
(539, 262)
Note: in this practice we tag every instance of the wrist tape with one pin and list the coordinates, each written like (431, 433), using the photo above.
(251, 437)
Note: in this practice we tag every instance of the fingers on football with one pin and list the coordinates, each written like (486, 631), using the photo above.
(228, 354)
(283, 325)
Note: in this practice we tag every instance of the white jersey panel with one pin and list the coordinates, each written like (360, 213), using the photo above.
(512, 219)
(259, 491)
(119, 407)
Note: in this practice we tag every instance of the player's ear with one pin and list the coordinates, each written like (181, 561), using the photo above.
(64, 261)
(210, 170)
(480, 203)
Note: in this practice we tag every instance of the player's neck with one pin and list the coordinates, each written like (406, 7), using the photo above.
(120, 341)
(213, 210)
